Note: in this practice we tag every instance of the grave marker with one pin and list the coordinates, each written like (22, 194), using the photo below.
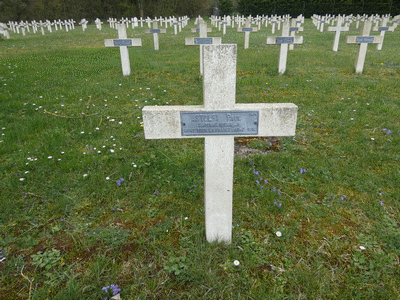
(202, 40)
(155, 31)
(284, 41)
(247, 29)
(122, 42)
(218, 121)
(337, 31)
(383, 28)
(363, 42)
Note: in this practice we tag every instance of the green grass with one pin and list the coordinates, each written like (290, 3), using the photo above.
(70, 226)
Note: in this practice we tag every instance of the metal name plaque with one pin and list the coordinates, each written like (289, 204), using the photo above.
(284, 40)
(118, 43)
(247, 29)
(155, 30)
(219, 123)
(383, 28)
(293, 28)
(202, 41)
(364, 39)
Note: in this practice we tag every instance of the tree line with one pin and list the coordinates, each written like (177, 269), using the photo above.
(90, 9)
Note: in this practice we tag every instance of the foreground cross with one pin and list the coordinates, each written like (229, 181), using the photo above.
(123, 44)
(363, 42)
(218, 121)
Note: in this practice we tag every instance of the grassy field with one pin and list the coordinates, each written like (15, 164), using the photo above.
(86, 202)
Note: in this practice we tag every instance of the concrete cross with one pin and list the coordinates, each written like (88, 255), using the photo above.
(247, 29)
(122, 42)
(363, 42)
(218, 121)
(155, 31)
(284, 41)
(202, 40)
(383, 28)
(337, 31)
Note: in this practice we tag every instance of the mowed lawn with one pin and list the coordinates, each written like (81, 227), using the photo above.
(86, 202)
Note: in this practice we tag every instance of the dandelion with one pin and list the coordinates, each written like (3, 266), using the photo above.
(236, 263)
(278, 234)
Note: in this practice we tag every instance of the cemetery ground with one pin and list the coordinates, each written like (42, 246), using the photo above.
(86, 202)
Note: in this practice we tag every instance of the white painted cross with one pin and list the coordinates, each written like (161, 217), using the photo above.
(247, 29)
(83, 22)
(383, 28)
(122, 42)
(218, 121)
(284, 41)
(202, 40)
(337, 31)
(363, 42)
(155, 31)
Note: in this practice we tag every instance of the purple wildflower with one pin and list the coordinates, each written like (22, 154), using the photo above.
(302, 170)
(156, 192)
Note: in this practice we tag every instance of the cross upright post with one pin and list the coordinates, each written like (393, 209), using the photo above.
(247, 29)
(218, 121)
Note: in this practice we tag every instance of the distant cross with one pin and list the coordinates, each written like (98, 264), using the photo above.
(284, 41)
(337, 31)
(247, 29)
(293, 29)
(202, 40)
(122, 42)
(383, 28)
(155, 31)
(363, 42)
(219, 121)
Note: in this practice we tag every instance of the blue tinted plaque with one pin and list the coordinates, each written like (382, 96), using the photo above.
(364, 39)
(247, 29)
(219, 123)
(284, 40)
(118, 43)
(155, 30)
(293, 28)
(202, 41)
(383, 28)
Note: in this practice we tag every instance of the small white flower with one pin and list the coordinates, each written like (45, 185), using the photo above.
(107, 178)
(116, 96)
(186, 218)
(236, 263)
(21, 179)
(62, 152)
(82, 132)
(50, 157)
(112, 120)
(104, 146)
(26, 172)
(362, 248)
(278, 234)
(97, 128)
(120, 123)
(112, 150)
(84, 175)
(372, 139)
(59, 159)
(99, 151)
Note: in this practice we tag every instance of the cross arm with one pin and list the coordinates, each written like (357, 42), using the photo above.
(164, 122)
(364, 39)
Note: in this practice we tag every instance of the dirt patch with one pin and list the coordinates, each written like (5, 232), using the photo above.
(256, 146)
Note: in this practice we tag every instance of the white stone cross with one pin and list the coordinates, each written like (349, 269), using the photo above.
(383, 28)
(155, 31)
(363, 42)
(218, 121)
(337, 31)
(122, 42)
(284, 41)
(202, 40)
(247, 29)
